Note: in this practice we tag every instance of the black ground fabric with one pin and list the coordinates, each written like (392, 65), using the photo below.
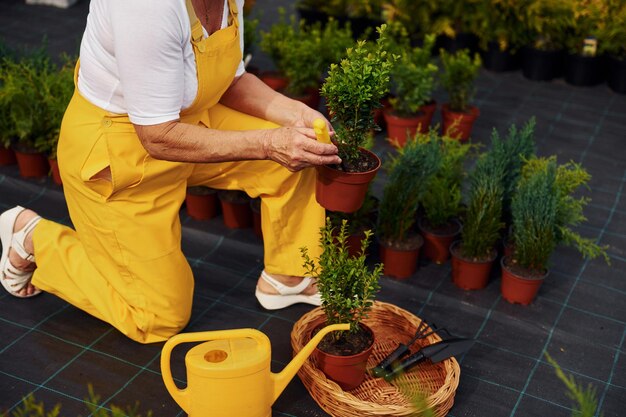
(53, 350)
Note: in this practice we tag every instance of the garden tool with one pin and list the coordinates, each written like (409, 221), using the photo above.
(436, 352)
(230, 375)
(385, 366)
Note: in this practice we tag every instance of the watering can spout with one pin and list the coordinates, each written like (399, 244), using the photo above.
(282, 379)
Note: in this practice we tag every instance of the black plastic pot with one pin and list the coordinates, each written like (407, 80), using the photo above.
(497, 60)
(462, 40)
(541, 65)
(616, 74)
(311, 15)
(584, 70)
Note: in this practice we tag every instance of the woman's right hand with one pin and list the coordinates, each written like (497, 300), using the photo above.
(296, 148)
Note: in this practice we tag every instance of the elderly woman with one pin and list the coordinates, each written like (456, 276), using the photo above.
(163, 102)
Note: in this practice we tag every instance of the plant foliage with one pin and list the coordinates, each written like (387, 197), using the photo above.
(353, 89)
(413, 77)
(482, 222)
(346, 285)
(612, 32)
(499, 21)
(589, 16)
(585, 399)
(547, 23)
(410, 171)
(458, 77)
(534, 211)
(442, 199)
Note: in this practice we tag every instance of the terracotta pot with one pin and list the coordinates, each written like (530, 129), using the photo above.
(399, 129)
(7, 156)
(517, 289)
(201, 203)
(469, 274)
(458, 125)
(397, 263)
(32, 164)
(379, 119)
(342, 191)
(347, 371)
(274, 80)
(430, 109)
(54, 170)
(236, 214)
(436, 243)
(255, 206)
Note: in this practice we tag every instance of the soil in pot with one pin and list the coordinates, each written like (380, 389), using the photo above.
(400, 258)
(343, 188)
(470, 274)
(7, 156)
(458, 125)
(345, 361)
(201, 202)
(519, 285)
(236, 212)
(437, 241)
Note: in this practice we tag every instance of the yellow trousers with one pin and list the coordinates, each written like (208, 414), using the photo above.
(123, 262)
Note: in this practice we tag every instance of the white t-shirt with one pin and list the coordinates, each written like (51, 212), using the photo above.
(136, 58)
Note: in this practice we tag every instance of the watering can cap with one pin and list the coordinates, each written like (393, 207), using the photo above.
(230, 358)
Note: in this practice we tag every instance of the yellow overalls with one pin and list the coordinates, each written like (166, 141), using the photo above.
(123, 262)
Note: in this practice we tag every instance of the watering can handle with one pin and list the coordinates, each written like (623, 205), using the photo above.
(181, 395)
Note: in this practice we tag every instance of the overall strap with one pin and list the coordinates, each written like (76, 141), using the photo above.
(196, 27)
(233, 12)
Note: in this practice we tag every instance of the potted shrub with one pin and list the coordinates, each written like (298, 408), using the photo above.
(347, 287)
(409, 173)
(441, 202)
(413, 81)
(544, 212)
(7, 128)
(583, 65)
(271, 43)
(458, 77)
(353, 89)
(612, 44)
(459, 26)
(499, 33)
(474, 254)
(420, 18)
(546, 24)
(25, 89)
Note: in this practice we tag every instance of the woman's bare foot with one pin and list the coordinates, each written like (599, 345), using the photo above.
(288, 280)
(18, 262)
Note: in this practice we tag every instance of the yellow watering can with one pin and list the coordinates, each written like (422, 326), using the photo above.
(229, 375)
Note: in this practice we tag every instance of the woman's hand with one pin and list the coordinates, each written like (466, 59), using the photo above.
(305, 115)
(296, 148)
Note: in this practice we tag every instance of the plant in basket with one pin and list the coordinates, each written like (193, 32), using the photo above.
(353, 89)
(583, 65)
(413, 81)
(544, 211)
(459, 74)
(474, 254)
(612, 44)
(441, 202)
(347, 287)
(409, 173)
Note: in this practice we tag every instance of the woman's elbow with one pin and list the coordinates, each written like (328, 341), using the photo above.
(155, 138)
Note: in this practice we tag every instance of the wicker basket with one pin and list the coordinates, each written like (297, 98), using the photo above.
(375, 396)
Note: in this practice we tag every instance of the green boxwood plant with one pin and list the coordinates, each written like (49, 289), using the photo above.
(346, 284)
(459, 74)
(352, 90)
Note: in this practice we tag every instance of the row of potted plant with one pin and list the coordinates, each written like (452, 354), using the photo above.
(34, 93)
(582, 40)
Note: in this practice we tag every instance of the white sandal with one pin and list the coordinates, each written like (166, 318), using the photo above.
(286, 295)
(14, 280)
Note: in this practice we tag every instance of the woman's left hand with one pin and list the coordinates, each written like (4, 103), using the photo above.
(306, 115)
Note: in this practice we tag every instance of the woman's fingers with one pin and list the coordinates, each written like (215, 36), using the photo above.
(297, 149)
